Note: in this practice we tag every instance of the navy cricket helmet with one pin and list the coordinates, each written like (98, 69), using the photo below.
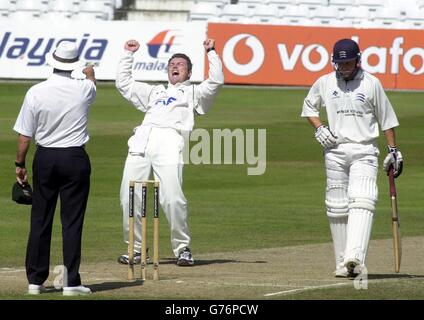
(345, 50)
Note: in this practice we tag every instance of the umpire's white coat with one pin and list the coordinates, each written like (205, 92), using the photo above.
(158, 143)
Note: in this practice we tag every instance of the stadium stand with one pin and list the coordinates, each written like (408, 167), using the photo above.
(338, 13)
(22, 10)
(408, 14)
(161, 10)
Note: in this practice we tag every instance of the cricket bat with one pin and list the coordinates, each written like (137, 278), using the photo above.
(397, 241)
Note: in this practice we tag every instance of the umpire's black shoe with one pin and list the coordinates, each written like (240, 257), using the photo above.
(185, 258)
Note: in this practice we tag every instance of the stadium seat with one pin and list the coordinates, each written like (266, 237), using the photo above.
(108, 8)
(305, 10)
(218, 3)
(235, 12)
(293, 15)
(281, 5)
(265, 14)
(101, 9)
(253, 2)
(355, 16)
(204, 11)
(265, 20)
(36, 6)
(387, 16)
(57, 16)
(5, 5)
(325, 16)
(62, 6)
(411, 24)
(342, 5)
(24, 15)
(91, 6)
(371, 5)
(84, 15)
(414, 19)
(284, 3)
(316, 3)
(264, 10)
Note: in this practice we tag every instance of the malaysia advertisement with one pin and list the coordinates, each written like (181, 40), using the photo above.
(23, 47)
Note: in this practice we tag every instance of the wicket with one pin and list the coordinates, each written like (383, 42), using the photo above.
(144, 185)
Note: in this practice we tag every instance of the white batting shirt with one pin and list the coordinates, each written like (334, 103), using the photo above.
(173, 106)
(55, 111)
(355, 108)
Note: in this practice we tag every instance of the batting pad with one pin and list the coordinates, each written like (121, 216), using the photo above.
(358, 234)
(338, 233)
(363, 191)
(336, 199)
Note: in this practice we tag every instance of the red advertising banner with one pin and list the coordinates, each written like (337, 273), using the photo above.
(292, 55)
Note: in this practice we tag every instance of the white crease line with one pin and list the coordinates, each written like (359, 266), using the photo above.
(351, 283)
(10, 270)
(341, 284)
(245, 284)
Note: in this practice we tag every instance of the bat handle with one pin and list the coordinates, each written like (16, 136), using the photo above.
(392, 181)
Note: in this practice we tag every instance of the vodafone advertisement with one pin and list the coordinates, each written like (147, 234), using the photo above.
(289, 55)
(101, 43)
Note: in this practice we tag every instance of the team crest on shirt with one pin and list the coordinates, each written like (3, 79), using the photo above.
(335, 94)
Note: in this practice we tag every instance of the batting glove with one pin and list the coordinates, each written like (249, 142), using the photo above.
(325, 137)
(394, 158)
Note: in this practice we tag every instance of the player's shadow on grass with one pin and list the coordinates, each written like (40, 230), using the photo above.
(105, 286)
(200, 262)
(378, 276)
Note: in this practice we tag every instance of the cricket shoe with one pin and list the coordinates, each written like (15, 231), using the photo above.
(76, 291)
(124, 259)
(185, 258)
(341, 273)
(353, 267)
(36, 289)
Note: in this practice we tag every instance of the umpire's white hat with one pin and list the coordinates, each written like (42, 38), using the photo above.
(65, 57)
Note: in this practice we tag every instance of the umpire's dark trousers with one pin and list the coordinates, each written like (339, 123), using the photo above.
(63, 172)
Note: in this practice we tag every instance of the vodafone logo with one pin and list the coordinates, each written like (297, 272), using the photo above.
(256, 61)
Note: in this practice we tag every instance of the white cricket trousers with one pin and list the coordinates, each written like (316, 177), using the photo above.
(164, 154)
(351, 198)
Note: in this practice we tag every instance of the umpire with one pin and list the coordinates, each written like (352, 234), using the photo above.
(54, 113)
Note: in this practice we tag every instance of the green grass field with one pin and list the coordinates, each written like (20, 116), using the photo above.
(229, 210)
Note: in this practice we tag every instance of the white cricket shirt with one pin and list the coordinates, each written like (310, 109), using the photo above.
(55, 111)
(172, 106)
(355, 108)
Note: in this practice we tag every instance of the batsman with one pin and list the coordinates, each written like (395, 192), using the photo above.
(356, 106)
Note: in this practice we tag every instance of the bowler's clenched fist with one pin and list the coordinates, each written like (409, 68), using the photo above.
(132, 45)
(209, 43)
